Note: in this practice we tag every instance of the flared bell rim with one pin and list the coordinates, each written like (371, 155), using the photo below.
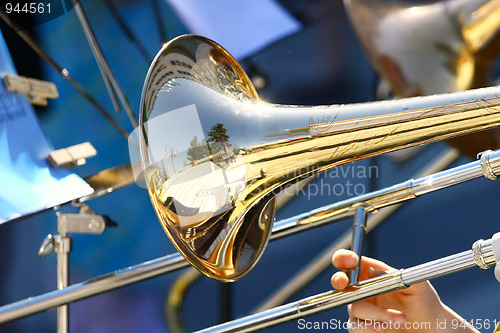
(187, 42)
(241, 87)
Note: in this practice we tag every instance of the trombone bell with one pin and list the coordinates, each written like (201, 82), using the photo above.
(214, 156)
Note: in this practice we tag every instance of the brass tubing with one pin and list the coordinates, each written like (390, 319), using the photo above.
(386, 283)
(175, 261)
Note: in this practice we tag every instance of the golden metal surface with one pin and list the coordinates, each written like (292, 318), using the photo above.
(215, 157)
(109, 180)
(428, 48)
(432, 47)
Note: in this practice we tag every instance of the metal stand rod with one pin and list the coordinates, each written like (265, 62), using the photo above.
(481, 255)
(290, 226)
(358, 238)
(107, 74)
(63, 248)
(98, 56)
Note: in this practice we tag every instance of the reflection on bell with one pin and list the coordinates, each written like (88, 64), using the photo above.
(233, 153)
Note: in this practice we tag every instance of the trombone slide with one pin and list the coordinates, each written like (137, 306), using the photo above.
(484, 254)
(323, 215)
(488, 165)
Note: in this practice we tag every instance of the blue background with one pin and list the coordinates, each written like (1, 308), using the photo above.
(323, 64)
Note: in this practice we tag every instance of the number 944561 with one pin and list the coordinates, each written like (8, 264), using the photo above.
(27, 8)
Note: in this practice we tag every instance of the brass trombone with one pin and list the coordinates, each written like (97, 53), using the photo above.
(488, 166)
(215, 196)
(238, 177)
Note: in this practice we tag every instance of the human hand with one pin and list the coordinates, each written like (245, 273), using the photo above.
(414, 309)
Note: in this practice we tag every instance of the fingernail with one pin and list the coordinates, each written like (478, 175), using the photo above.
(351, 261)
(334, 281)
(372, 272)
